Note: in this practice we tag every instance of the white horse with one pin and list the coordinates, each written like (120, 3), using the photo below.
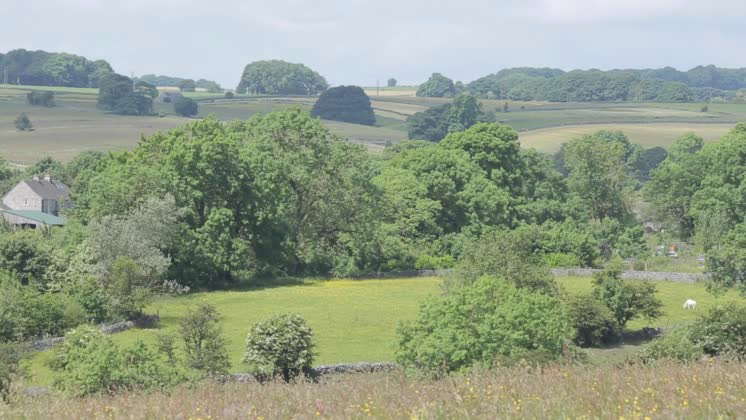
(690, 304)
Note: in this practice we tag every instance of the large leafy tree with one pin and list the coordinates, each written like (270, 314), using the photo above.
(674, 182)
(437, 86)
(598, 174)
(277, 77)
(52, 69)
(435, 123)
(344, 103)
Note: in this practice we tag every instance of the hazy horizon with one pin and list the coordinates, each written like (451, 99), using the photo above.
(360, 42)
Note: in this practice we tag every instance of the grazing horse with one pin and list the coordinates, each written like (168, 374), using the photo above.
(690, 304)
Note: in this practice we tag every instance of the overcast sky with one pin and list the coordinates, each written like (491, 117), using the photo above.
(361, 41)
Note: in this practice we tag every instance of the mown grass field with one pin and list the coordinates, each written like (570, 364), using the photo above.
(353, 320)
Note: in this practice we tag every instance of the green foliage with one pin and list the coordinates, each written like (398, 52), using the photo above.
(204, 344)
(23, 123)
(488, 323)
(112, 88)
(436, 122)
(128, 289)
(144, 88)
(598, 174)
(187, 85)
(437, 86)
(24, 255)
(509, 254)
(626, 299)
(672, 185)
(88, 362)
(282, 345)
(10, 366)
(134, 104)
(27, 313)
(726, 261)
(722, 330)
(593, 321)
(38, 98)
(678, 344)
(186, 107)
(41, 68)
(675, 92)
(344, 103)
(229, 95)
(277, 77)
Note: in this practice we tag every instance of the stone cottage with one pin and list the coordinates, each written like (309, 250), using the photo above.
(36, 202)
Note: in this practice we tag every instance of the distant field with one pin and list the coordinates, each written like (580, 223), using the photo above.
(76, 124)
(648, 135)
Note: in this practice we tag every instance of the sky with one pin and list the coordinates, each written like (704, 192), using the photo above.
(361, 42)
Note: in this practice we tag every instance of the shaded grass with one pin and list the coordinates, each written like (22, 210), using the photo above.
(713, 389)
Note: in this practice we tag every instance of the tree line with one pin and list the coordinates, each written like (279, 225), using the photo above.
(41, 68)
(184, 84)
(702, 83)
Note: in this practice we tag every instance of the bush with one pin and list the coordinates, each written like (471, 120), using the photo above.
(593, 322)
(437, 86)
(186, 107)
(677, 344)
(229, 95)
(722, 331)
(487, 323)
(204, 344)
(627, 300)
(27, 313)
(10, 366)
(128, 290)
(89, 362)
(23, 123)
(559, 259)
(37, 98)
(282, 345)
(134, 104)
(432, 262)
(344, 103)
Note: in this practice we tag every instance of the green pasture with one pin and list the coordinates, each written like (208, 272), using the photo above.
(76, 124)
(353, 320)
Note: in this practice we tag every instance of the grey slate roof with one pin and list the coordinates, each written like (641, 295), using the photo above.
(53, 190)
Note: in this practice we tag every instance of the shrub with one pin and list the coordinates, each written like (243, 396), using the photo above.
(344, 103)
(23, 123)
(677, 344)
(437, 86)
(722, 330)
(490, 322)
(128, 289)
(89, 362)
(27, 313)
(23, 253)
(10, 366)
(229, 95)
(282, 345)
(37, 98)
(593, 322)
(626, 299)
(507, 254)
(559, 259)
(204, 344)
(134, 104)
(186, 107)
(432, 262)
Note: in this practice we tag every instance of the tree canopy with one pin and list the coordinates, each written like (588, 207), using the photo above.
(437, 86)
(344, 103)
(436, 122)
(277, 77)
(118, 94)
(41, 68)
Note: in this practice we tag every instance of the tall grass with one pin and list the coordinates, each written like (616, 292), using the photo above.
(708, 389)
